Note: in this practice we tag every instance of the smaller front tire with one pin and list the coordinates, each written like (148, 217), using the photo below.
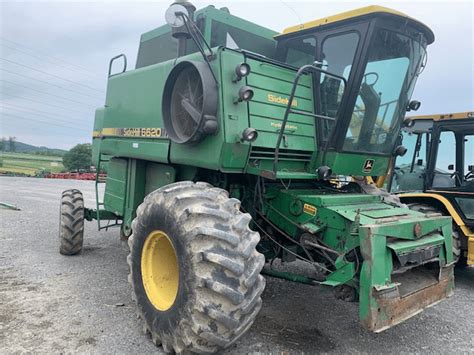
(71, 222)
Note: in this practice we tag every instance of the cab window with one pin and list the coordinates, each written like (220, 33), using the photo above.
(301, 51)
(156, 50)
(223, 34)
(389, 73)
(163, 47)
(444, 174)
(337, 57)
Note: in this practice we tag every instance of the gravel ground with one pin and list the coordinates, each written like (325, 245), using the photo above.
(50, 303)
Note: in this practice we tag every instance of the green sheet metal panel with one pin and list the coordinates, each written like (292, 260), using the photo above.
(273, 71)
(272, 87)
(271, 93)
(321, 199)
(389, 211)
(276, 111)
(158, 175)
(262, 81)
(138, 148)
(403, 246)
(116, 184)
(352, 164)
(234, 116)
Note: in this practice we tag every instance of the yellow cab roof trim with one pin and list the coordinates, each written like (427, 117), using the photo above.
(443, 116)
(349, 15)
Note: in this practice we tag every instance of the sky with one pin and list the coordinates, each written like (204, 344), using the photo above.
(54, 56)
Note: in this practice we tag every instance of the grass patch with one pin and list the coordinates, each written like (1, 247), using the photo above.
(29, 164)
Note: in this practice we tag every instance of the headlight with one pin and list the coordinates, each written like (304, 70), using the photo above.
(241, 70)
(249, 135)
(245, 94)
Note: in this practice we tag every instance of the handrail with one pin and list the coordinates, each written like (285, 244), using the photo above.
(305, 69)
(124, 64)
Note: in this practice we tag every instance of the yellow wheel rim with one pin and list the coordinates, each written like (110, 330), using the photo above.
(160, 271)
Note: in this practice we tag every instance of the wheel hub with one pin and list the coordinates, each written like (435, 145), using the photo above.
(160, 270)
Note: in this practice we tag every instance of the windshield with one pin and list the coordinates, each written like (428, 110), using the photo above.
(415, 143)
(387, 83)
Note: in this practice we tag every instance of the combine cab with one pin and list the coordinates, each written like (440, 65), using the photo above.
(223, 150)
(438, 174)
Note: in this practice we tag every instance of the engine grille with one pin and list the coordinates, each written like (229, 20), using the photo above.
(263, 153)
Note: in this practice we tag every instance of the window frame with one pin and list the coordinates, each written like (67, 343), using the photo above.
(363, 29)
(461, 128)
(374, 25)
(350, 78)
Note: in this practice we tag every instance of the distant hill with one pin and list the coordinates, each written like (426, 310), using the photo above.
(28, 148)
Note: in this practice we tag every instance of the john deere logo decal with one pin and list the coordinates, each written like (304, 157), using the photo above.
(310, 209)
(368, 165)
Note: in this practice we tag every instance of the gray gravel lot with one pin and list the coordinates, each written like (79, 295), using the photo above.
(50, 303)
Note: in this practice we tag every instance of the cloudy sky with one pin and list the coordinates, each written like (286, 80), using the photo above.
(54, 55)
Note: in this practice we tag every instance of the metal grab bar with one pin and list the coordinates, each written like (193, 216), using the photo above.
(303, 70)
(124, 64)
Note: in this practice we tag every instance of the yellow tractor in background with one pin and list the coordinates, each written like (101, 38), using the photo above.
(437, 174)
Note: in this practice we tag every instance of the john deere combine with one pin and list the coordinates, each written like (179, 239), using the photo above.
(223, 149)
(438, 174)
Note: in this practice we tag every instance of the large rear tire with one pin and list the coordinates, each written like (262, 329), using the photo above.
(424, 208)
(71, 222)
(194, 269)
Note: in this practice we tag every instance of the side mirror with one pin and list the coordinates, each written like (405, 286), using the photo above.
(400, 151)
(413, 105)
(470, 168)
(451, 167)
(173, 16)
(419, 162)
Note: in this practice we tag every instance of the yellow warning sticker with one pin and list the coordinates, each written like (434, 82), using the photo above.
(310, 209)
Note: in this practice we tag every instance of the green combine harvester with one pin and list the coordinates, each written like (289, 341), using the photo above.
(230, 145)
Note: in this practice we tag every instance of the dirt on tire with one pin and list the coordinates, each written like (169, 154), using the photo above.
(220, 285)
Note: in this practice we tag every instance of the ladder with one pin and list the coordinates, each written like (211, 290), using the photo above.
(100, 204)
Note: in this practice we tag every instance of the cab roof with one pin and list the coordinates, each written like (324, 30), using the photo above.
(359, 13)
(443, 116)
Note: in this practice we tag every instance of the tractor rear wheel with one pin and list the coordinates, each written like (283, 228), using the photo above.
(194, 268)
(71, 222)
(424, 208)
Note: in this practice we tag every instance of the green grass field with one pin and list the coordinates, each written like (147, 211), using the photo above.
(29, 164)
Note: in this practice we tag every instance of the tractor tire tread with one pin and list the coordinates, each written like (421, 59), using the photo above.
(228, 284)
(71, 222)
